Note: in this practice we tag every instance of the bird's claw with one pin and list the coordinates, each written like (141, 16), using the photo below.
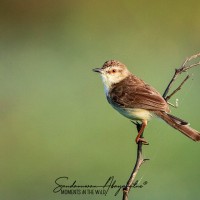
(137, 140)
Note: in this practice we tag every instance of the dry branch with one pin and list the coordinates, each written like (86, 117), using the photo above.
(184, 67)
(140, 160)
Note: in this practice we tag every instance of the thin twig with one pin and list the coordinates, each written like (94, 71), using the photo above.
(175, 106)
(139, 161)
(179, 71)
(178, 88)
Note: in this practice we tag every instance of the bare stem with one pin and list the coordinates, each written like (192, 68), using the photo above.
(139, 161)
(184, 67)
(177, 89)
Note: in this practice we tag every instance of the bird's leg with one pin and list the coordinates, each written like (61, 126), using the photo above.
(138, 138)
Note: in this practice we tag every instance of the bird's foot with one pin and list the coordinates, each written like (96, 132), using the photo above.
(137, 140)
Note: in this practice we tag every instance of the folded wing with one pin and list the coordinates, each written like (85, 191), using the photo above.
(135, 93)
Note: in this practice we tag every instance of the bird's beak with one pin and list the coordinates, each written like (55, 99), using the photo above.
(99, 70)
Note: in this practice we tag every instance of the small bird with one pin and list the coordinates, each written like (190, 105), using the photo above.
(138, 101)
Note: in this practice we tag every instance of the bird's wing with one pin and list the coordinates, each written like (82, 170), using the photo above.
(134, 93)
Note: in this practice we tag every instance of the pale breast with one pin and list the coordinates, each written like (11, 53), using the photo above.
(134, 113)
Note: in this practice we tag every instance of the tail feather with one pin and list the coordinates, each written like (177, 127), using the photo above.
(180, 125)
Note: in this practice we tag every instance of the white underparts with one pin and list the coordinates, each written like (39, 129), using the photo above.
(135, 113)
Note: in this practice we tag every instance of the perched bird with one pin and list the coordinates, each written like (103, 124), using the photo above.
(136, 100)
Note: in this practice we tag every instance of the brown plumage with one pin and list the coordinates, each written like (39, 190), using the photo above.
(179, 125)
(137, 100)
(132, 92)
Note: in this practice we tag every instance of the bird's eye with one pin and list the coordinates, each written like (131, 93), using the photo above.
(113, 71)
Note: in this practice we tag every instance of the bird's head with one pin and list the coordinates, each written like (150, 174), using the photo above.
(112, 72)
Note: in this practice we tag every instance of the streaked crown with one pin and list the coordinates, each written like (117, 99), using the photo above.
(111, 63)
(112, 72)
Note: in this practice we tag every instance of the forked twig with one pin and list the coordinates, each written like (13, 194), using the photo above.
(140, 160)
(178, 88)
(179, 71)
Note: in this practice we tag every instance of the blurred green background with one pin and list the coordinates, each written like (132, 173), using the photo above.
(54, 117)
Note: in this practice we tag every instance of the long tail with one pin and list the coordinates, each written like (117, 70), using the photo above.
(180, 125)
